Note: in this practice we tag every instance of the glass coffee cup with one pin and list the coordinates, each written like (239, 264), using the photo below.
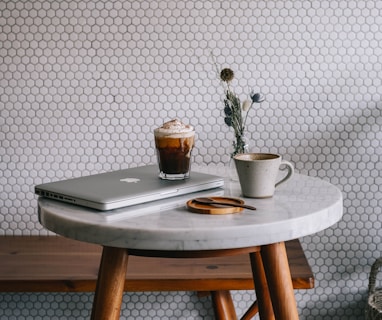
(174, 142)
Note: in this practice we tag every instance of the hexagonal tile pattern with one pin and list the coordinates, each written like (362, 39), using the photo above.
(84, 83)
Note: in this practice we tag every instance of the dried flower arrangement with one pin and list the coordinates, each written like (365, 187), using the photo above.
(236, 113)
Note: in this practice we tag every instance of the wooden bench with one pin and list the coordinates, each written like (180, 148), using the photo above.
(57, 264)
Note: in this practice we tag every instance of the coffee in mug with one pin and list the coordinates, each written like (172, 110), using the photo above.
(258, 173)
(174, 141)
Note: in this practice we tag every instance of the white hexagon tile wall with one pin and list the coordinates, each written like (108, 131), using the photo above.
(84, 83)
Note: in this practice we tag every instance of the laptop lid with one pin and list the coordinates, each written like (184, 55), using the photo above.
(116, 189)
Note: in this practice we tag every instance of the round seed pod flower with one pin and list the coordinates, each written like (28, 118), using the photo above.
(226, 75)
(257, 97)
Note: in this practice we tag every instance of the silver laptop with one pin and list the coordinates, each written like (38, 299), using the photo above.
(151, 207)
(112, 190)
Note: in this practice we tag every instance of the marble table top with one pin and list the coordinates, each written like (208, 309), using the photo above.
(301, 206)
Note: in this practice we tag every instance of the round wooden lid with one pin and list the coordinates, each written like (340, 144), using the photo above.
(215, 208)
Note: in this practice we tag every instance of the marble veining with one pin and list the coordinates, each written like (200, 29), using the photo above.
(302, 206)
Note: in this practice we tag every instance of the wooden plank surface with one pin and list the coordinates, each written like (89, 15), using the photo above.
(54, 264)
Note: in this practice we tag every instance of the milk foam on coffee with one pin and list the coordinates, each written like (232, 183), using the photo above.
(174, 141)
(173, 128)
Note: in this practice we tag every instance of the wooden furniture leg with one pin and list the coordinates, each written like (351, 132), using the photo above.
(261, 287)
(110, 284)
(223, 305)
(251, 312)
(279, 281)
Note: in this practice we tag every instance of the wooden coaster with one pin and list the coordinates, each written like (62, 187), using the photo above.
(215, 208)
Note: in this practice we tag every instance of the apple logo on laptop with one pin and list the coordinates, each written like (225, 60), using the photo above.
(130, 180)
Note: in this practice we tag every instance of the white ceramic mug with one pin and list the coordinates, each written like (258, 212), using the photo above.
(258, 173)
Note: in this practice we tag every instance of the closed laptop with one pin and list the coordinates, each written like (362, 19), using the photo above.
(121, 188)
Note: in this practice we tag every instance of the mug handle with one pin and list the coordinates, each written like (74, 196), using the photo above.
(289, 174)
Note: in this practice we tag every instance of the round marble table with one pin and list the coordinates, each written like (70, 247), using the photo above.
(300, 207)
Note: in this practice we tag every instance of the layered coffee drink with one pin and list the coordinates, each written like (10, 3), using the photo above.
(174, 141)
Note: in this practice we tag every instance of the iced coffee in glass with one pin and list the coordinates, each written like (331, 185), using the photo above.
(174, 141)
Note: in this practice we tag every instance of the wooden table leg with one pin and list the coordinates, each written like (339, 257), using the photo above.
(279, 281)
(110, 284)
(261, 287)
(223, 305)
